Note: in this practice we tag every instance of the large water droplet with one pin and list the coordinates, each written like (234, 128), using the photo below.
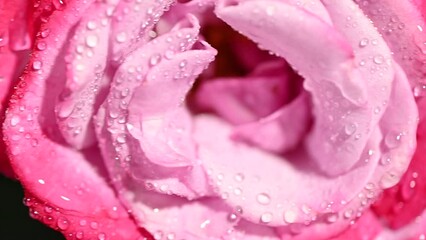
(290, 216)
(388, 180)
(239, 177)
(41, 46)
(63, 223)
(59, 4)
(363, 42)
(155, 59)
(91, 41)
(266, 217)
(36, 65)
(350, 128)
(263, 198)
(378, 59)
(393, 139)
(91, 25)
(14, 120)
(121, 37)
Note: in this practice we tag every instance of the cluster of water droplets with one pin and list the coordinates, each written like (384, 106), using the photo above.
(73, 228)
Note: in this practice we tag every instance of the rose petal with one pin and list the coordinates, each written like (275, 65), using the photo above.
(280, 132)
(249, 231)
(78, 200)
(167, 216)
(146, 68)
(402, 26)
(132, 22)
(414, 230)
(401, 204)
(85, 80)
(246, 99)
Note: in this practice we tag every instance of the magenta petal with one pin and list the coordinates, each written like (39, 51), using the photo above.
(78, 199)
(403, 27)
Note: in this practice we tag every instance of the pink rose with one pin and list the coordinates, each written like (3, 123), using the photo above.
(155, 119)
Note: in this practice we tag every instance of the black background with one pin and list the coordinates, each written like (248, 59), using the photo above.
(15, 222)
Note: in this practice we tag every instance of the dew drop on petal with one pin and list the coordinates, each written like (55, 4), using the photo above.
(91, 41)
(363, 42)
(266, 217)
(388, 180)
(239, 177)
(79, 235)
(36, 65)
(263, 198)
(91, 25)
(155, 59)
(62, 223)
(393, 139)
(350, 128)
(290, 216)
(41, 46)
(121, 37)
(378, 59)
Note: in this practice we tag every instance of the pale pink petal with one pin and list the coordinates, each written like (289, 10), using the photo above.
(132, 23)
(85, 78)
(330, 74)
(281, 131)
(250, 231)
(247, 99)
(171, 217)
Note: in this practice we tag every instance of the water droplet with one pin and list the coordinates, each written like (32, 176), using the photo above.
(91, 25)
(388, 180)
(393, 139)
(45, 33)
(290, 216)
(14, 120)
(36, 65)
(121, 138)
(363, 42)
(378, 59)
(101, 236)
(121, 37)
(385, 160)
(41, 46)
(232, 217)
(79, 235)
(59, 4)
(183, 63)
(266, 217)
(83, 222)
(239, 177)
(350, 128)
(155, 59)
(41, 181)
(62, 223)
(94, 225)
(170, 236)
(263, 198)
(348, 213)
(332, 217)
(91, 41)
(238, 191)
(158, 235)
